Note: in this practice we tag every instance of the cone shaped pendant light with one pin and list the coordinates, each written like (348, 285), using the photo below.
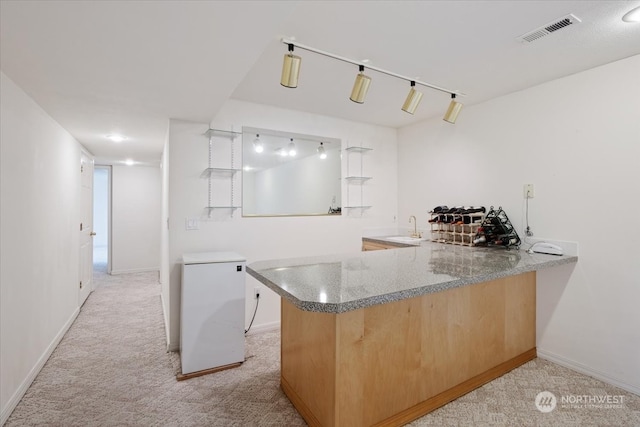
(360, 87)
(290, 69)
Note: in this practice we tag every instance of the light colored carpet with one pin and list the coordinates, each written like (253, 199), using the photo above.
(111, 369)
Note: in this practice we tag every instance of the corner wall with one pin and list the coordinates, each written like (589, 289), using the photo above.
(577, 139)
(39, 252)
(268, 237)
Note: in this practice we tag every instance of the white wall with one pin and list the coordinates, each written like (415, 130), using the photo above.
(136, 210)
(577, 139)
(267, 238)
(39, 253)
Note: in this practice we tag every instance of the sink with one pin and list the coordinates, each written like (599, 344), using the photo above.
(404, 239)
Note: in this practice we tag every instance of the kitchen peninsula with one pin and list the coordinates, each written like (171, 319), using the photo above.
(384, 337)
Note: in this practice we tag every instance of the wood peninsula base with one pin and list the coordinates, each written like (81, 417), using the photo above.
(388, 364)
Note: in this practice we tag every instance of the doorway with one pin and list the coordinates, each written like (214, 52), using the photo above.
(102, 219)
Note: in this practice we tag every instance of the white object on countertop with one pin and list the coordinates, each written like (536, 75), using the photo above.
(568, 248)
(212, 310)
(546, 248)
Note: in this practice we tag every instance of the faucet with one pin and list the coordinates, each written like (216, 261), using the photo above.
(415, 227)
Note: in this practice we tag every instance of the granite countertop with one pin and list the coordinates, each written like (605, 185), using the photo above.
(344, 282)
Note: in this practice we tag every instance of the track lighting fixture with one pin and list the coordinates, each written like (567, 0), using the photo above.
(454, 109)
(291, 148)
(258, 146)
(290, 69)
(360, 86)
(413, 99)
(321, 151)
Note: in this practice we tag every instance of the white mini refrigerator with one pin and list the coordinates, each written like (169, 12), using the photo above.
(212, 310)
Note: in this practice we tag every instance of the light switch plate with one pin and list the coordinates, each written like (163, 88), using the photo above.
(528, 191)
(191, 224)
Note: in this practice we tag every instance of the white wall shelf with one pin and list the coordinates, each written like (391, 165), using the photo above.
(221, 172)
(355, 179)
(223, 143)
(355, 196)
(210, 208)
(358, 149)
(222, 133)
(356, 207)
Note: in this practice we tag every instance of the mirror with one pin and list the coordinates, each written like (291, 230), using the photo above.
(287, 174)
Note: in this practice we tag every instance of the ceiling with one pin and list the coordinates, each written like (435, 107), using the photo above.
(105, 67)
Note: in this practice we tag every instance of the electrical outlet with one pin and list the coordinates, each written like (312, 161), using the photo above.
(528, 191)
(256, 292)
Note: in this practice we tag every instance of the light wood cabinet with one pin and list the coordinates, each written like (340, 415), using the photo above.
(391, 363)
(368, 245)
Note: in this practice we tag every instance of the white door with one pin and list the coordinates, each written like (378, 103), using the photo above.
(86, 227)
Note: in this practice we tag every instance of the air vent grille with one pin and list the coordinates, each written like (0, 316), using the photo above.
(558, 25)
(549, 28)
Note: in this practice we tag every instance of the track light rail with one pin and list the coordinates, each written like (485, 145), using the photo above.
(369, 67)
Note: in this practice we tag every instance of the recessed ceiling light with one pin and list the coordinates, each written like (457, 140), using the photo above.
(632, 16)
(116, 138)
(366, 61)
(129, 162)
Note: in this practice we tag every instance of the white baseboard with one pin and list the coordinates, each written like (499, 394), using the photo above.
(134, 270)
(165, 318)
(24, 386)
(578, 367)
(265, 327)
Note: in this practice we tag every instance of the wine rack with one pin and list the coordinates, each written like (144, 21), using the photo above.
(496, 230)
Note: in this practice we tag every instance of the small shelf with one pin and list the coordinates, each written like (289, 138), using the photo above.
(221, 172)
(222, 179)
(358, 149)
(210, 208)
(358, 178)
(223, 133)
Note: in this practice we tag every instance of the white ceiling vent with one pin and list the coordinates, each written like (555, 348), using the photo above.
(549, 28)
